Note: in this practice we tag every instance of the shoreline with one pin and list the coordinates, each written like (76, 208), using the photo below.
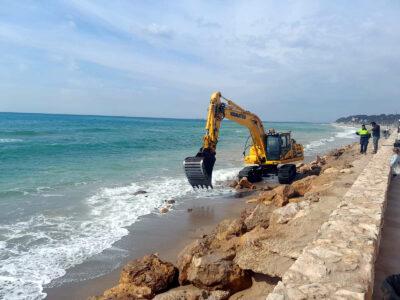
(169, 233)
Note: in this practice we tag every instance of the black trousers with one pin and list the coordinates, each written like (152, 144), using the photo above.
(363, 145)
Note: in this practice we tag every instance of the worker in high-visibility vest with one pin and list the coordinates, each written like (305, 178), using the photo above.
(364, 137)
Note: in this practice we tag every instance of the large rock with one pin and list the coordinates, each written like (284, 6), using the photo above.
(208, 264)
(279, 196)
(258, 217)
(189, 292)
(304, 185)
(245, 183)
(267, 196)
(283, 194)
(143, 279)
(285, 214)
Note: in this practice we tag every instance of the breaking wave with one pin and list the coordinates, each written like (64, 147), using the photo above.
(36, 251)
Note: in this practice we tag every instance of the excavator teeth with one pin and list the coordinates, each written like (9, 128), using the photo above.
(198, 170)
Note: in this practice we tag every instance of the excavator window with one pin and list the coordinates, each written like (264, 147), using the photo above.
(274, 144)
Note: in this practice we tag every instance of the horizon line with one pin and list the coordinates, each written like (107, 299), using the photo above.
(144, 117)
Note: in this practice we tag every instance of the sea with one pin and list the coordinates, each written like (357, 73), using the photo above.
(70, 186)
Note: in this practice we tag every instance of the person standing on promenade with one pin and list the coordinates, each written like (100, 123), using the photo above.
(376, 134)
(364, 137)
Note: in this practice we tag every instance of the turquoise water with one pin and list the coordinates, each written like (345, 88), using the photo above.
(68, 183)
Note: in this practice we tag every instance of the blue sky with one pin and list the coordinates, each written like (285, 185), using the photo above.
(285, 60)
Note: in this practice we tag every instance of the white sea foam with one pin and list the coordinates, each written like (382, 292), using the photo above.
(345, 132)
(318, 143)
(10, 140)
(58, 243)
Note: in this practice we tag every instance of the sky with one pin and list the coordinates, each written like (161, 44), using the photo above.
(283, 60)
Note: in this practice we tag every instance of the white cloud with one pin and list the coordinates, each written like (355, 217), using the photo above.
(285, 52)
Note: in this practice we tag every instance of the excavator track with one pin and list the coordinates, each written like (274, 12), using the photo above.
(198, 169)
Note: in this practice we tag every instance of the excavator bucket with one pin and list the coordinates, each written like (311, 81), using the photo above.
(198, 169)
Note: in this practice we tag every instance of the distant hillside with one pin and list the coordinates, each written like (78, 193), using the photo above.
(365, 119)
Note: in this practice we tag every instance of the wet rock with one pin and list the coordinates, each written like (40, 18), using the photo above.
(139, 192)
(244, 183)
(302, 186)
(233, 183)
(189, 209)
(143, 279)
(164, 210)
(171, 201)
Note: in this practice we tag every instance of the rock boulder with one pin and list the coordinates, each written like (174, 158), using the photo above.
(302, 186)
(143, 279)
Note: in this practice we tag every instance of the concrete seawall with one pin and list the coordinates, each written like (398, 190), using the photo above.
(339, 263)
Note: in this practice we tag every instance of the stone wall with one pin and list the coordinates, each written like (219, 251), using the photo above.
(339, 263)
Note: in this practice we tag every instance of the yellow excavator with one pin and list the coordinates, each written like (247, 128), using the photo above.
(270, 153)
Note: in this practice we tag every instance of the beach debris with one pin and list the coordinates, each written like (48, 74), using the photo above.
(164, 210)
(139, 192)
(142, 279)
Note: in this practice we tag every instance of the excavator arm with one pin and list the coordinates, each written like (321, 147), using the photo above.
(199, 168)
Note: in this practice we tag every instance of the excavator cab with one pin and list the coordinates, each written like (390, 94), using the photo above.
(273, 144)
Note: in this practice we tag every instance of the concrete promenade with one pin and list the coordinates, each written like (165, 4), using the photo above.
(339, 263)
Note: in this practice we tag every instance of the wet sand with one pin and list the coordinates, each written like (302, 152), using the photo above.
(165, 234)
